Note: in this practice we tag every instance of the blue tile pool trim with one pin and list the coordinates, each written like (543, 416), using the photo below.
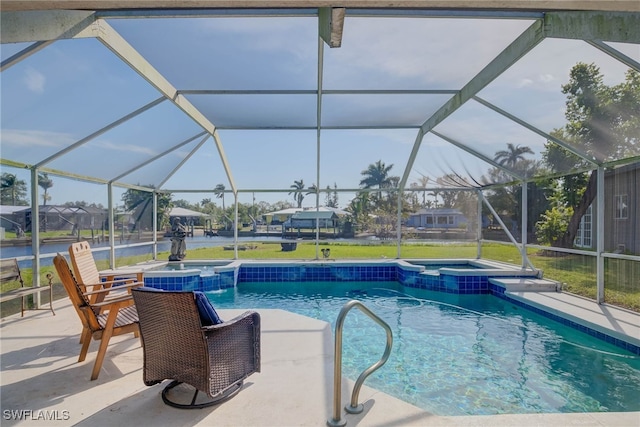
(194, 282)
(318, 273)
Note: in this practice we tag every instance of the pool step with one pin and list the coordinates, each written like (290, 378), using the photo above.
(526, 284)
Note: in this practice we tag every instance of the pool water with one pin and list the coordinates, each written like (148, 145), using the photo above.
(460, 354)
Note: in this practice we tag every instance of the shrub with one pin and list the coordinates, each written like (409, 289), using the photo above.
(553, 224)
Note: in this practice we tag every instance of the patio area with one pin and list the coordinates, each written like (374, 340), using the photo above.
(42, 383)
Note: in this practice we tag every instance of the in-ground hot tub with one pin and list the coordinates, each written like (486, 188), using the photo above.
(191, 276)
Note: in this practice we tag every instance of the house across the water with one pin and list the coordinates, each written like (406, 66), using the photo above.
(437, 218)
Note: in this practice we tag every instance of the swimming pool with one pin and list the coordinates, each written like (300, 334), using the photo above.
(457, 354)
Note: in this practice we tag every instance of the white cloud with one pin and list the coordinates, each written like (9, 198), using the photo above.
(443, 53)
(524, 82)
(25, 138)
(547, 78)
(129, 148)
(34, 80)
(270, 35)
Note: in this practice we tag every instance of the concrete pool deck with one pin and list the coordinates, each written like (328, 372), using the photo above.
(40, 374)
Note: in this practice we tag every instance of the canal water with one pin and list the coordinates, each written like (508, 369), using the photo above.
(164, 245)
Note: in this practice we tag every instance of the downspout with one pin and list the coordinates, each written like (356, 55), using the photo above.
(600, 237)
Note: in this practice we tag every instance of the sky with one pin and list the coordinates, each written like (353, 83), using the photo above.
(74, 88)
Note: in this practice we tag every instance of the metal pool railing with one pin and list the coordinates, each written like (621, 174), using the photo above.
(353, 407)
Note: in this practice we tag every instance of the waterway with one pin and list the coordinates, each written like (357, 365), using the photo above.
(49, 250)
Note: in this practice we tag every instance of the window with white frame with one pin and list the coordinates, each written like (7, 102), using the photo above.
(622, 206)
(585, 230)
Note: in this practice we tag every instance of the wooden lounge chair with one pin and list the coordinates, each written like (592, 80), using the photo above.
(86, 270)
(112, 315)
(181, 345)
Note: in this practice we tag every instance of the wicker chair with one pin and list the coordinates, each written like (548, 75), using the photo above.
(213, 359)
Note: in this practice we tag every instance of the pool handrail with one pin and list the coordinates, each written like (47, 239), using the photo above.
(353, 407)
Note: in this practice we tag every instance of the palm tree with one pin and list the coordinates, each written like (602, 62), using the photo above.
(377, 175)
(435, 194)
(512, 155)
(422, 183)
(219, 192)
(46, 183)
(298, 195)
(13, 186)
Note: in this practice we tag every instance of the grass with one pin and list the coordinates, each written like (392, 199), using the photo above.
(577, 273)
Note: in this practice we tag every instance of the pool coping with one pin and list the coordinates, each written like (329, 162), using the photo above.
(609, 323)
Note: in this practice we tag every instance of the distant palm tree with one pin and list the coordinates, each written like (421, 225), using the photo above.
(219, 192)
(313, 189)
(298, 194)
(422, 183)
(13, 186)
(46, 183)
(435, 194)
(512, 155)
(377, 176)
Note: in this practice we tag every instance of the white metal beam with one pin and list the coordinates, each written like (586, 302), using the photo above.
(607, 26)
(628, 5)
(154, 158)
(24, 53)
(187, 157)
(600, 230)
(584, 156)
(478, 155)
(512, 53)
(614, 53)
(37, 26)
(110, 38)
(320, 66)
(35, 226)
(99, 132)
(331, 23)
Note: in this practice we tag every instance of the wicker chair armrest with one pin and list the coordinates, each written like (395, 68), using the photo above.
(229, 323)
(233, 349)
